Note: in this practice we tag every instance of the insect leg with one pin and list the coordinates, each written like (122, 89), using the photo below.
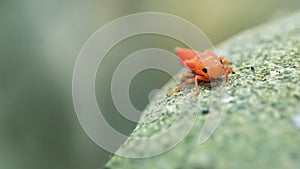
(186, 74)
(196, 86)
(180, 86)
(196, 79)
(226, 70)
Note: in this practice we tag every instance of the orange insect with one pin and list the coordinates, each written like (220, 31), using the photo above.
(203, 66)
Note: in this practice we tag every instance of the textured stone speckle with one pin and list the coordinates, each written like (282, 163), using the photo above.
(260, 123)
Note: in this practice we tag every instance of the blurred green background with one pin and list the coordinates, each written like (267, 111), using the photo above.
(39, 43)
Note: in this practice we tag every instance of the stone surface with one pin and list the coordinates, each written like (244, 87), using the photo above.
(260, 122)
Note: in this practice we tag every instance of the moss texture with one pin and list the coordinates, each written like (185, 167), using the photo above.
(260, 122)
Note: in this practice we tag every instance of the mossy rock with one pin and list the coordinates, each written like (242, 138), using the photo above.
(260, 123)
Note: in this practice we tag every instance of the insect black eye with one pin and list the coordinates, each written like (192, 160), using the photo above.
(221, 61)
(204, 70)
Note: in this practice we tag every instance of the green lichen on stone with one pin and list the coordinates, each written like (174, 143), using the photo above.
(257, 129)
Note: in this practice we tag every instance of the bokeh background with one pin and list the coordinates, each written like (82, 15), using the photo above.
(39, 43)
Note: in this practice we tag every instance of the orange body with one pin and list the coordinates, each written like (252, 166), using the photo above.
(204, 67)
